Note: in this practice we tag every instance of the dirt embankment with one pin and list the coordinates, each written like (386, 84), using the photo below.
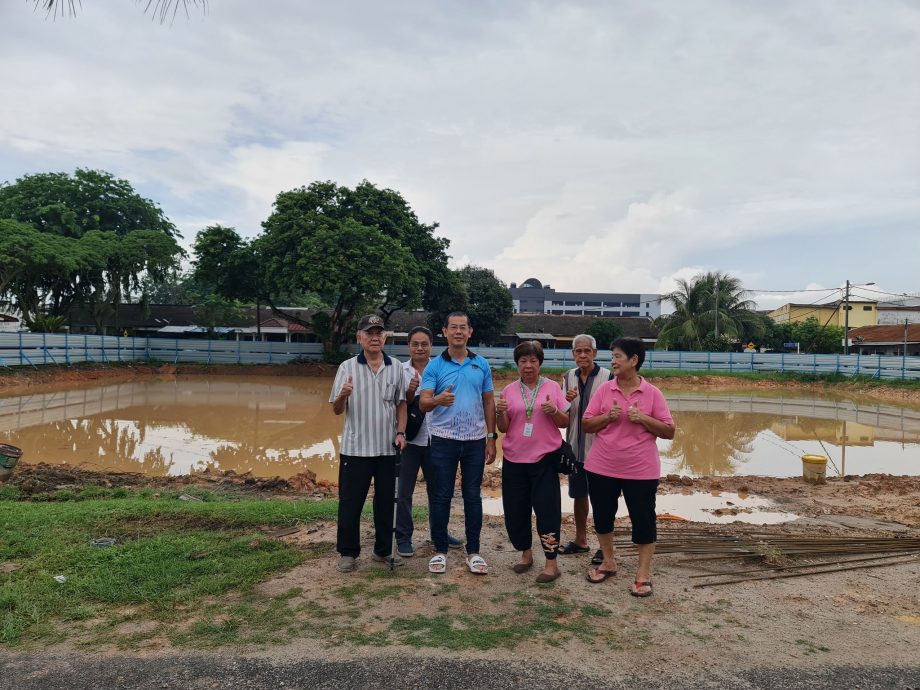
(36, 480)
(14, 380)
(857, 389)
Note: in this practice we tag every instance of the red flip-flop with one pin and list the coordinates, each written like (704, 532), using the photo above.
(597, 571)
(634, 590)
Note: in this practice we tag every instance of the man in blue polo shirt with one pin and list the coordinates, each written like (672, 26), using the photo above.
(457, 394)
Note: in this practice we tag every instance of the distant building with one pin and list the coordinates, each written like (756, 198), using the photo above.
(887, 340)
(897, 311)
(9, 323)
(552, 331)
(532, 297)
(862, 313)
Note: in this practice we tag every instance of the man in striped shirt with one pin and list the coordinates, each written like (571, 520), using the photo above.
(371, 391)
(579, 385)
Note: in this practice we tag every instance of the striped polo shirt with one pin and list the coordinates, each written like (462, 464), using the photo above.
(370, 413)
(574, 434)
(465, 419)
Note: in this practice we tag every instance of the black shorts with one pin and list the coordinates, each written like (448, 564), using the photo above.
(639, 495)
(578, 483)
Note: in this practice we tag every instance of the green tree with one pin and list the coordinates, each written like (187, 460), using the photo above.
(119, 238)
(227, 264)
(605, 331)
(213, 311)
(488, 303)
(817, 337)
(346, 251)
(32, 264)
(711, 312)
(811, 335)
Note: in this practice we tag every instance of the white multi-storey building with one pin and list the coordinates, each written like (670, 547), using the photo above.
(532, 297)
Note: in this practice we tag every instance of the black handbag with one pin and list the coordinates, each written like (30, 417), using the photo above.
(565, 459)
(414, 418)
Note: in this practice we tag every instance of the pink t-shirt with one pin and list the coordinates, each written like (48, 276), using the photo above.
(624, 449)
(546, 436)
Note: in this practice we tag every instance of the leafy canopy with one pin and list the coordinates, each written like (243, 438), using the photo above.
(353, 250)
(93, 239)
(604, 331)
(479, 293)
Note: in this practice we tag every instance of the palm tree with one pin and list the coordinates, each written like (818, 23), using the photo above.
(710, 313)
(163, 9)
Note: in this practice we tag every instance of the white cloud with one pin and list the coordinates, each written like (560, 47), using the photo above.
(595, 146)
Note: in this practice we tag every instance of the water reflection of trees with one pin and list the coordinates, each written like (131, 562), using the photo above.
(93, 442)
(714, 443)
(265, 440)
(268, 461)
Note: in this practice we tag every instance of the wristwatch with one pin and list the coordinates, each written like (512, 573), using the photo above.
(491, 434)
(400, 433)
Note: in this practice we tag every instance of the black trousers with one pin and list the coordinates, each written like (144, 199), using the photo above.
(355, 474)
(533, 487)
(639, 495)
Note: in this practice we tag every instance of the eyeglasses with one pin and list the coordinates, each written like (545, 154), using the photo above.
(420, 346)
(457, 327)
(580, 351)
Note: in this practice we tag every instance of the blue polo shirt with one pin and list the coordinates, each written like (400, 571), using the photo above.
(465, 419)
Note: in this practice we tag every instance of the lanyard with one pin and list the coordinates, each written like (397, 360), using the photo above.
(529, 404)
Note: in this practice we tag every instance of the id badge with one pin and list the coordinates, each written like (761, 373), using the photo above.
(528, 429)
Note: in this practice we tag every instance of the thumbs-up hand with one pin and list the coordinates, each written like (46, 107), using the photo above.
(548, 407)
(346, 389)
(571, 394)
(634, 414)
(614, 413)
(413, 384)
(445, 399)
(501, 404)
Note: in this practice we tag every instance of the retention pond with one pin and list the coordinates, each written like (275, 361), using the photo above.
(273, 426)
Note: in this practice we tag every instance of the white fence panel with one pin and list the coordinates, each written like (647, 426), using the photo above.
(35, 349)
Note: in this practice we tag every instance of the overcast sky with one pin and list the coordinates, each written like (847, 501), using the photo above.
(599, 146)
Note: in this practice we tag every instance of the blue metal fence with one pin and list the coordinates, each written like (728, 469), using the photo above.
(33, 349)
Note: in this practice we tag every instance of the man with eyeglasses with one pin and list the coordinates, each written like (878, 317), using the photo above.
(457, 392)
(580, 384)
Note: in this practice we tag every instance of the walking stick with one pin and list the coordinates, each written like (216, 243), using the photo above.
(395, 508)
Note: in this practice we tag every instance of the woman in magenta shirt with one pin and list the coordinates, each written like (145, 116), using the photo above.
(627, 416)
(530, 413)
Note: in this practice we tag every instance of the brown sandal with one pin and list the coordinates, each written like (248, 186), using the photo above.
(634, 590)
(522, 567)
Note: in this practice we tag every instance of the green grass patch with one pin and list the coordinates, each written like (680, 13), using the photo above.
(810, 647)
(169, 557)
(536, 617)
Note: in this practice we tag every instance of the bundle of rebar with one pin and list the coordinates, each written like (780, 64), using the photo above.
(778, 555)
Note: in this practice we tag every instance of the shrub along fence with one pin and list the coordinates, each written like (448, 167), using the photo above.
(35, 349)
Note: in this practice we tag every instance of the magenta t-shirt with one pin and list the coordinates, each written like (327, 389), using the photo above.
(546, 436)
(624, 449)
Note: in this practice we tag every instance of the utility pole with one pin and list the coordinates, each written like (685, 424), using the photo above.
(717, 305)
(846, 320)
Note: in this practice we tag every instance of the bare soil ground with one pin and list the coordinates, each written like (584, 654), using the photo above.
(862, 617)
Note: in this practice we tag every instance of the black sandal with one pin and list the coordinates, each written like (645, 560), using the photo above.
(571, 548)
(598, 557)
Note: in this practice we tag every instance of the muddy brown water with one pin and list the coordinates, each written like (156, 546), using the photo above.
(276, 426)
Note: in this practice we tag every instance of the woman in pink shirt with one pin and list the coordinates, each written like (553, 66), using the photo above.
(530, 413)
(627, 415)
